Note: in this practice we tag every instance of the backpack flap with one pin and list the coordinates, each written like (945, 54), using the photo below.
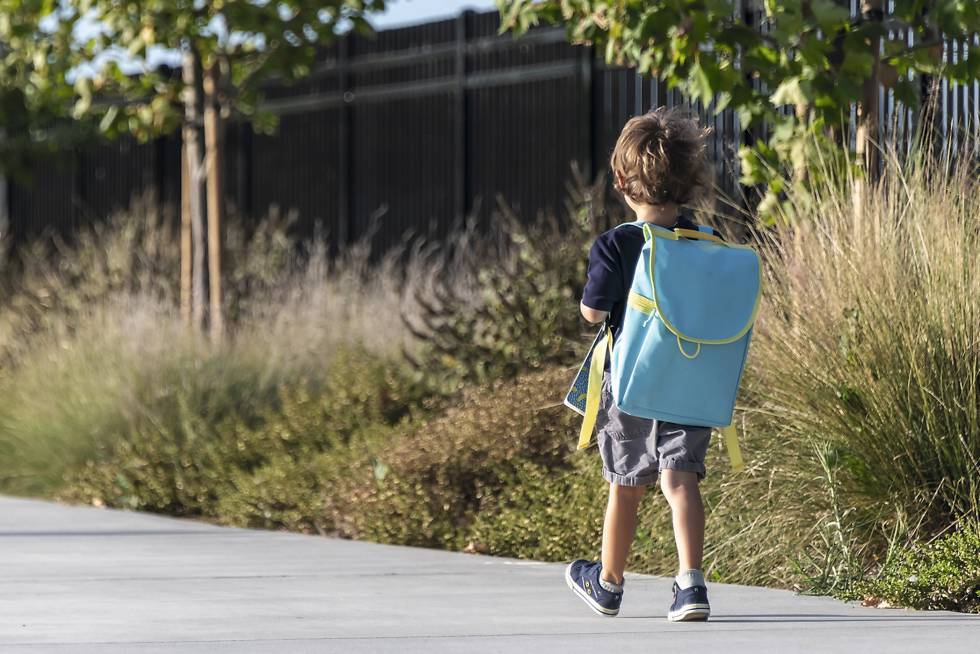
(706, 291)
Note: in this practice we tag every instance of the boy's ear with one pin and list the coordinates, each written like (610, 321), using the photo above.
(620, 179)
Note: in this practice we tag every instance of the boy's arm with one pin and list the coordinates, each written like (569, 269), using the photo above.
(594, 316)
(604, 286)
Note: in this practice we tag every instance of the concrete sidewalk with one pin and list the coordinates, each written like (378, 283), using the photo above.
(89, 580)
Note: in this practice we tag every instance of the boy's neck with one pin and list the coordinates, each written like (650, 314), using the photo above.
(664, 215)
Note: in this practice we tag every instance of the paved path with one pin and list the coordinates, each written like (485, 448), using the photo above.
(84, 580)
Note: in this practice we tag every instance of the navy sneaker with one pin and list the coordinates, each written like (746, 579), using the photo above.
(690, 604)
(583, 578)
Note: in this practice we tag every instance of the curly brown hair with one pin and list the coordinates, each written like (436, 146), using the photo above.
(660, 158)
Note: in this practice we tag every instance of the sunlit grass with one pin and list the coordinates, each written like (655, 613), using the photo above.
(865, 366)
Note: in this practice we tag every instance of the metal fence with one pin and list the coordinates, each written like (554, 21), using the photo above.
(413, 128)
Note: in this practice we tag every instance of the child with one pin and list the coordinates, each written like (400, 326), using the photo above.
(659, 164)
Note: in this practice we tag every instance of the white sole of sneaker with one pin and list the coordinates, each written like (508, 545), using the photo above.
(609, 613)
(690, 613)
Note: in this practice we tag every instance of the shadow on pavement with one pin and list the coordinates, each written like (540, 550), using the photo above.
(821, 617)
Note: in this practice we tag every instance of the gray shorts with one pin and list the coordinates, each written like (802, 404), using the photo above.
(634, 450)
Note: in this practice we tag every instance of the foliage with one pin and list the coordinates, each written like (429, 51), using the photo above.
(521, 319)
(52, 282)
(100, 62)
(33, 96)
(509, 483)
(943, 574)
(867, 340)
(546, 513)
(209, 437)
(426, 487)
(250, 41)
(94, 353)
(810, 56)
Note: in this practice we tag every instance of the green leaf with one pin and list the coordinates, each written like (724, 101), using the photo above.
(722, 100)
(907, 92)
(829, 14)
(699, 84)
(109, 118)
(791, 91)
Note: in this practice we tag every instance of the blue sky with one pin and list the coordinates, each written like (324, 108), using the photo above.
(407, 12)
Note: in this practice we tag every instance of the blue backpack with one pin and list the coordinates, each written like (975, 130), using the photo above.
(681, 351)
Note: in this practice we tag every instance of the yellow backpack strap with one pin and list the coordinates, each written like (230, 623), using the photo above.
(595, 389)
(730, 435)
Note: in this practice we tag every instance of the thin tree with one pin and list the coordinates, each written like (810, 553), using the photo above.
(228, 49)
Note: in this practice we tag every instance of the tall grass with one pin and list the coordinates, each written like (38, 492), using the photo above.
(866, 359)
(94, 352)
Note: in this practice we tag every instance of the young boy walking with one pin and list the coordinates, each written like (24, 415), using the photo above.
(659, 164)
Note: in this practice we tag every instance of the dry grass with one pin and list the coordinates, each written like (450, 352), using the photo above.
(90, 334)
(865, 366)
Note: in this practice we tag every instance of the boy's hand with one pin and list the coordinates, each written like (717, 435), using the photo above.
(594, 316)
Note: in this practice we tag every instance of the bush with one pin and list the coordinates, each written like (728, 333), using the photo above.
(942, 575)
(527, 288)
(208, 440)
(425, 487)
(865, 354)
(545, 513)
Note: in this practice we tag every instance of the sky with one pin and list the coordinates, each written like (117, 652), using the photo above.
(408, 12)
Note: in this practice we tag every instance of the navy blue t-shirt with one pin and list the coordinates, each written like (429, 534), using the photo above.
(612, 261)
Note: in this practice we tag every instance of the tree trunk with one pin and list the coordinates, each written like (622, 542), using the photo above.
(185, 235)
(867, 117)
(215, 170)
(194, 201)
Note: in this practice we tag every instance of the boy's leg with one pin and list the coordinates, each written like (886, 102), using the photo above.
(618, 529)
(682, 450)
(628, 447)
(682, 491)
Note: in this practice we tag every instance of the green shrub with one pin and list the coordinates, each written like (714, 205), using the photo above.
(943, 575)
(498, 469)
(282, 493)
(205, 434)
(425, 487)
(527, 289)
(545, 512)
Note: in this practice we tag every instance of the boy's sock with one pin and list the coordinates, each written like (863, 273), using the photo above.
(610, 586)
(687, 578)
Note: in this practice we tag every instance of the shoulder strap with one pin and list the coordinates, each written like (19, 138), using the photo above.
(598, 364)
(730, 434)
